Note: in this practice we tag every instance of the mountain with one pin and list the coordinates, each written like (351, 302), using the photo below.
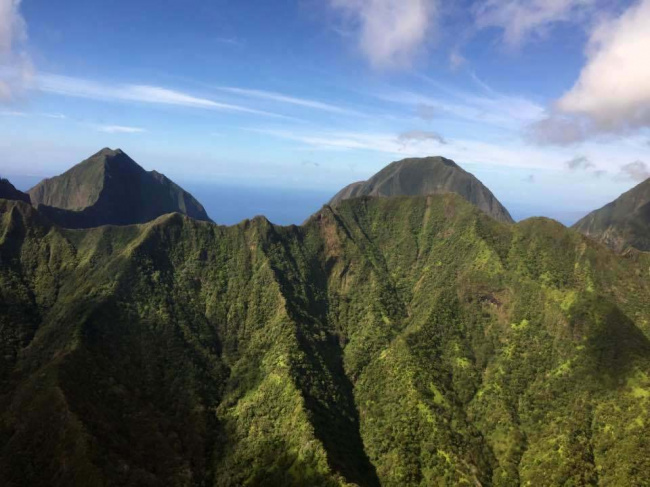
(9, 192)
(424, 176)
(623, 223)
(402, 341)
(111, 188)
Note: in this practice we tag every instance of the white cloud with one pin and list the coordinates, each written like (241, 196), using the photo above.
(67, 86)
(13, 113)
(281, 98)
(390, 31)
(415, 136)
(612, 93)
(579, 162)
(556, 129)
(120, 129)
(637, 171)
(16, 68)
(523, 19)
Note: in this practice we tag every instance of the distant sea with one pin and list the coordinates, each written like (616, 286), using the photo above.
(228, 205)
(566, 216)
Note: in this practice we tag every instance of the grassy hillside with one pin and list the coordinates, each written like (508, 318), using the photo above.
(387, 341)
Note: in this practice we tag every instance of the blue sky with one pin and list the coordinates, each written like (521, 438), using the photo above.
(546, 101)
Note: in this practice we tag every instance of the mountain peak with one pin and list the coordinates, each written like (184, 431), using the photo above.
(418, 176)
(111, 188)
(107, 151)
(9, 192)
(622, 223)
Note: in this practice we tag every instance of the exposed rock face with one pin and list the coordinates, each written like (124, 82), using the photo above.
(622, 224)
(111, 188)
(424, 176)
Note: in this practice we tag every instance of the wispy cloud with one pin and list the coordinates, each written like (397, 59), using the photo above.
(415, 136)
(120, 129)
(489, 107)
(17, 69)
(504, 153)
(231, 41)
(522, 20)
(390, 32)
(529, 179)
(461, 150)
(81, 88)
(338, 140)
(281, 98)
(14, 113)
(579, 162)
(636, 171)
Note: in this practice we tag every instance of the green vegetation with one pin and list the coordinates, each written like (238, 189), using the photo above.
(388, 341)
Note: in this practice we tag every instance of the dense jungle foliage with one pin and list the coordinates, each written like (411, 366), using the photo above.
(387, 341)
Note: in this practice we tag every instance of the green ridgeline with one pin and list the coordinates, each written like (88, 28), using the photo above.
(388, 341)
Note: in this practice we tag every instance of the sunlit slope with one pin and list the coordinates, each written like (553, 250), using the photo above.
(388, 341)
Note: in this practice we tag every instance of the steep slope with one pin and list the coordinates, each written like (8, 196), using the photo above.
(623, 223)
(424, 176)
(9, 192)
(111, 188)
(388, 341)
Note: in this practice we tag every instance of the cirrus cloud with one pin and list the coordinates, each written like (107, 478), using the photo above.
(522, 20)
(120, 129)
